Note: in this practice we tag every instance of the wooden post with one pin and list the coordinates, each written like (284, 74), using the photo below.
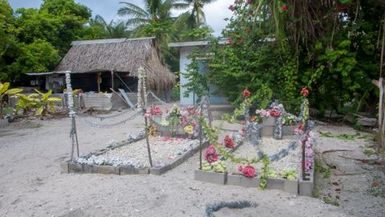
(98, 80)
(147, 140)
(112, 79)
(200, 136)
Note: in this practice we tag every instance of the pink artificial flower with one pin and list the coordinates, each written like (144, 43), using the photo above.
(247, 171)
(308, 165)
(246, 93)
(147, 115)
(211, 154)
(309, 152)
(229, 143)
(305, 91)
(299, 130)
(155, 110)
(274, 112)
(229, 40)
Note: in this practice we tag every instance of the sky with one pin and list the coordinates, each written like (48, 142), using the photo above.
(215, 12)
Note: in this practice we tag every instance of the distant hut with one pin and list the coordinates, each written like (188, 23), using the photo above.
(99, 65)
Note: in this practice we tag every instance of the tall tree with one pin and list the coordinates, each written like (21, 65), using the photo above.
(110, 30)
(153, 20)
(197, 16)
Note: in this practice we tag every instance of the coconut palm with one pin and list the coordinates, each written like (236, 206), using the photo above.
(112, 29)
(154, 11)
(197, 16)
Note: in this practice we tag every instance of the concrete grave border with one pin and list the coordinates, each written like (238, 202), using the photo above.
(75, 167)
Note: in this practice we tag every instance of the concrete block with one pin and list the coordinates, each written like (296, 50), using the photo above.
(288, 130)
(127, 170)
(143, 171)
(74, 167)
(64, 167)
(106, 169)
(212, 177)
(90, 168)
(291, 186)
(268, 121)
(249, 182)
(267, 131)
(234, 180)
(275, 184)
(306, 188)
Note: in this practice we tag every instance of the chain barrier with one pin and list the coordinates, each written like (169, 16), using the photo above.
(98, 125)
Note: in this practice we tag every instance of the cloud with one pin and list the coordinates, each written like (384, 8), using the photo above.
(215, 12)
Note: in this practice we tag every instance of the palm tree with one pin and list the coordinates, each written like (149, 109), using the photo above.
(154, 11)
(112, 29)
(197, 16)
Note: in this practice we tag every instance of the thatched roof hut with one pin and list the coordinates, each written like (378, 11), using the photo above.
(124, 56)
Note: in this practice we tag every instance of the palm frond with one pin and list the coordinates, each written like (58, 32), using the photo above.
(132, 10)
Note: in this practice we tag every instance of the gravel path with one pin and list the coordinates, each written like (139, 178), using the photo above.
(31, 183)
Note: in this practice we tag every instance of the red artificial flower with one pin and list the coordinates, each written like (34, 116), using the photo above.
(247, 171)
(211, 154)
(284, 8)
(246, 93)
(275, 113)
(231, 8)
(305, 91)
(229, 143)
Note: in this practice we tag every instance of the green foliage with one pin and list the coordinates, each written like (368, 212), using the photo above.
(218, 167)
(6, 91)
(289, 174)
(39, 56)
(40, 103)
(265, 172)
(197, 80)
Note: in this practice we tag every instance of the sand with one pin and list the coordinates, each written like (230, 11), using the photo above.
(32, 184)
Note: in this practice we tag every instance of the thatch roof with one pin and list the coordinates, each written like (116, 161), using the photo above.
(119, 55)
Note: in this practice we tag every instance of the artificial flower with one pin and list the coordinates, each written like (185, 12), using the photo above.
(308, 165)
(274, 112)
(299, 130)
(305, 91)
(211, 154)
(247, 171)
(246, 93)
(284, 8)
(189, 129)
(229, 143)
(155, 110)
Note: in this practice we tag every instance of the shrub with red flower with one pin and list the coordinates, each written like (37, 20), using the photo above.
(247, 171)
(274, 112)
(304, 91)
(211, 154)
(246, 93)
(229, 143)
(284, 8)
(155, 110)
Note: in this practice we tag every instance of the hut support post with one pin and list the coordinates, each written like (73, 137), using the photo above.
(112, 79)
(98, 80)
(72, 114)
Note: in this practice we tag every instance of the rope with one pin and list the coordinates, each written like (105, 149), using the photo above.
(101, 118)
(157, 98)
(97, 125)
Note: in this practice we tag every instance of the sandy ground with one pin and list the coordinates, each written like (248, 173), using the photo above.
(31, 182)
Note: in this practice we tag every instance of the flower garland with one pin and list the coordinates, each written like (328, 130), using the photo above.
(142, 88)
